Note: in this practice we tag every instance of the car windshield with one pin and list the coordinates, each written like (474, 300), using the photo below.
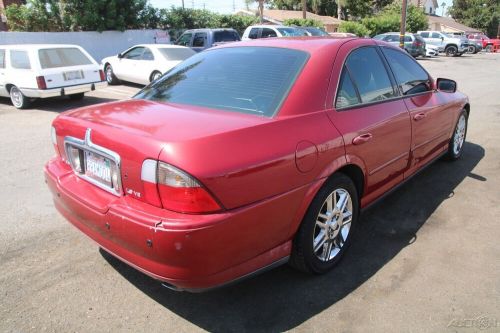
(62, 57)
(316, 31)
(225, 36)
(290, 32)
(252, 80)
(176, 54)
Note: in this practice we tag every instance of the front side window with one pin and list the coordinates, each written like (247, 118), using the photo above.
(2, 58)
(254, 33)
(252, 80)
(199, 39)
(369, 75)
(62, 57)
(424, 34)
(436, 35)
(134, 54)
(19, 59)
(148, 55)
(184, 40)
(266, 33)
(410, 76)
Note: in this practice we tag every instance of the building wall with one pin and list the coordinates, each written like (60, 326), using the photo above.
(99, 45)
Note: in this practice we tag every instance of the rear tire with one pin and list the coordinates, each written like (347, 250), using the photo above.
(76, 97)
(110, 75)
(327, 228)
(457, 141)
(18, 99)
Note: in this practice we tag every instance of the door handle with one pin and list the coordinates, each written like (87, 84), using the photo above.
(362, 139)
(419, 116)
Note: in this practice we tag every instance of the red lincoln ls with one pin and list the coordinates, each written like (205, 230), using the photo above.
(250, 155)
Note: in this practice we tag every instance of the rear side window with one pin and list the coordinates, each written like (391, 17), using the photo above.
(19, 59)
(225, 36)
(252, 80)
(199, 39)
(424, 34)
(176, 54)
(347, 94)
(412, 78)
(2, 58)
(254, 33)
(266, 33)
(369, 75)
(62, 57)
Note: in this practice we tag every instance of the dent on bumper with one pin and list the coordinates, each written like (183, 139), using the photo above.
(61, 91)
(191, 252)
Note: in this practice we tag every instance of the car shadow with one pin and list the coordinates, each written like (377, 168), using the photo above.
(59, 104)
(283, 298)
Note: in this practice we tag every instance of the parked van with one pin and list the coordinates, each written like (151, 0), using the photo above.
(39, 71)
(201, 39)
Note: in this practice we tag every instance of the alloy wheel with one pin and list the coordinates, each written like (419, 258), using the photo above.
(459, 135)
(16, 96)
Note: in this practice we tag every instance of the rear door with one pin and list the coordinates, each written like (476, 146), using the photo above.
(66, 66)
(372, 118)
(430, 118)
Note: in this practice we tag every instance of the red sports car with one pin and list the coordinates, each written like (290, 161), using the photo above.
(251, 155)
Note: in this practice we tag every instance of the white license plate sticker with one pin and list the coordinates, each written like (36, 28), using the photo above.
(98, 168)
(73, 75)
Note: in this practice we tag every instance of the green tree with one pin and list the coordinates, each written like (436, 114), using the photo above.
(356, 28)
(303, 23)
(483, 15)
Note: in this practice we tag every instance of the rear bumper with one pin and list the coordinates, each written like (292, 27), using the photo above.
(190, 252)
(62, 91)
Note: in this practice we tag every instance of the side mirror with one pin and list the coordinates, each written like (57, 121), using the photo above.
(120, 55)
(446, 85)
(442, 38)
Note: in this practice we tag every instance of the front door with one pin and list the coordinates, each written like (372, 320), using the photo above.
(373, 120)
(430, 118)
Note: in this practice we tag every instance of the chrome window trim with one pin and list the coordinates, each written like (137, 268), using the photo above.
(87, 145)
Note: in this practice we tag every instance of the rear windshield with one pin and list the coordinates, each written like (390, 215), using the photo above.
(62, 57)
(225, 36)
(253, 80)
(286, 32)
(176, 54)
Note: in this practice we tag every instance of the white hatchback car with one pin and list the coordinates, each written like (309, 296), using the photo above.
(42, 70)
(144, 63)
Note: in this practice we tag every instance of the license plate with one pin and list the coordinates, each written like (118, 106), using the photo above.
(98, 168)
(73, 75)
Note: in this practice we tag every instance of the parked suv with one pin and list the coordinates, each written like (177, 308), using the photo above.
(451, 45)
(268, 31)
(414, 44)
(32, 71)
(201, 39)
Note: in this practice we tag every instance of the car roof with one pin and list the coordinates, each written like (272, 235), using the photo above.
(303, 43)
(209, 29)
(38, 46)
(271, 26)
(160, 46)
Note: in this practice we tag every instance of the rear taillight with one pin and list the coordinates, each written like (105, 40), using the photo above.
(101, 74)
(173, 189)
(40, 82)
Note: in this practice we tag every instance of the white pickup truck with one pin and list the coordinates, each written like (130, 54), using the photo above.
(39, 71)
(450, 45)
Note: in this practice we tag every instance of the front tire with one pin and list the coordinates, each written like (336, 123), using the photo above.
(110, 75)
(456, 145)
(327, 228)
(451, 51)
(18, 99)
(154, 76)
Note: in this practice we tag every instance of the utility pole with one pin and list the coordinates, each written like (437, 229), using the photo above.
(234, 6)
(498, 31)
(183, 4)
(304, 9)
(402, 31)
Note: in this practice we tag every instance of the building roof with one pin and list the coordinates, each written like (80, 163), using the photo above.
(448, 22)
(278, 16)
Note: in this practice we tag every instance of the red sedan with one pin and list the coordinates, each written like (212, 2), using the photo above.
(251, 155)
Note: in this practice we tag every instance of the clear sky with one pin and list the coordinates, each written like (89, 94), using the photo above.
(226, 6)
(220, 6)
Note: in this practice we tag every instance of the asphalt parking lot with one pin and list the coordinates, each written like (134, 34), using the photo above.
(426, 259)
